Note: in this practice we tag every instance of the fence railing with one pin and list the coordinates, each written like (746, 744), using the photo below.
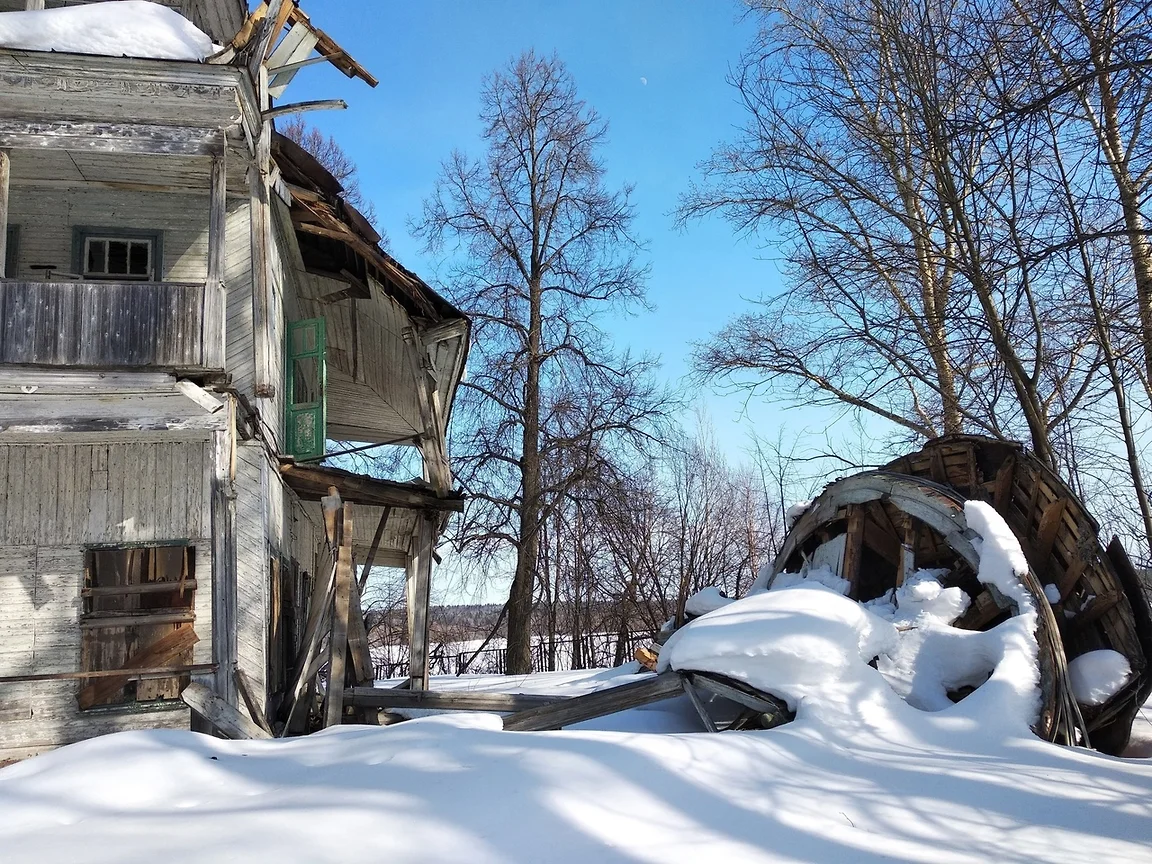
(590, 651)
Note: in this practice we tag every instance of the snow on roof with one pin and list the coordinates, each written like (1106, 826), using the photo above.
(124, 28)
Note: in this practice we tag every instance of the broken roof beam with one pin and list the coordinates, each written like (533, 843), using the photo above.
(388, 698)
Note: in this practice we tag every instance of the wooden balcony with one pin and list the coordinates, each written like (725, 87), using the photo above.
(122, 325)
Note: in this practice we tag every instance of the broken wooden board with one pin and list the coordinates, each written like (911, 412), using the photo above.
(225, 718)
(593, 705)
(162, 652)
(389, 697)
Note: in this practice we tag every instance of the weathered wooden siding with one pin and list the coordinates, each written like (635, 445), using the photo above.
(118, 324)
(251, 566)
(240, 349)
(60, 499)
(47, 216)
(371, 394)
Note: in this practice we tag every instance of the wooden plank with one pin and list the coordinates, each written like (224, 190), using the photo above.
(5, 180)
(1094, 611)
(244, 686)
(142, 588)
(227, 719)
(418, 587)
(1005, 476)
(338, 642)
(162, 652)
(138, 138)
(1050, 523)
(312, 483)
(390, 697)
(980, 613)
(592, 705)
(358, 647)
(374, 548)
(307, 659)
(853, 547)
(102, 621)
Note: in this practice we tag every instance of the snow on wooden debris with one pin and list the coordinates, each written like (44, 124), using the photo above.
(122, 28)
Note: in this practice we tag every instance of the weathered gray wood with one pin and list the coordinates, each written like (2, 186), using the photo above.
(298, 107)
(592, 705)
(138, 138)
(765, 703)
(95, 324)
(390, 697)
(311, 483)
(244, 686)
(134, 675)
(338, 641)
(227, 719)
(418, 586)
(5, 180)
(374, 548)
(698, 704)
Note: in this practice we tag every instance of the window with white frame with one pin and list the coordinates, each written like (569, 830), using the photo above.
(119, 257)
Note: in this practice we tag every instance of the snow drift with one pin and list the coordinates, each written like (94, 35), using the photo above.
(123, 28)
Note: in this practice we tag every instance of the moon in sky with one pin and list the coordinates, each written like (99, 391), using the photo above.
(644, 81)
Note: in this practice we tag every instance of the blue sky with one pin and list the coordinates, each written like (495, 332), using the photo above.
(655, 70)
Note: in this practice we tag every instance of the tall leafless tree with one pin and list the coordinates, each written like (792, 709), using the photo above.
(544, 249)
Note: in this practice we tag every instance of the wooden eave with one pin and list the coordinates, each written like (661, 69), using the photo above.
(312, 482)
(318, 210)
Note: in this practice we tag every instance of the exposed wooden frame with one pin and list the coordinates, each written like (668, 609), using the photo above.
(341, 604)
(225, 717)
(5, 182)
(418, 587)
(597, 704)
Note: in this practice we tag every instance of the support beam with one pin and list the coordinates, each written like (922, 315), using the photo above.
(5, 181)
(338, 643)
(227, 719)
(597, 704)
(137, 138)
(418, 587)
(390, 697)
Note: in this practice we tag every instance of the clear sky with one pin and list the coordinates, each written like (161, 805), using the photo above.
(655, 70)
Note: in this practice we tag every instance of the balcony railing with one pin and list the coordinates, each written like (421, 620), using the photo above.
(168, 325)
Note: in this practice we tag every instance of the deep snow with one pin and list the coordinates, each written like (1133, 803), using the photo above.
(122, 28)
(861, 775)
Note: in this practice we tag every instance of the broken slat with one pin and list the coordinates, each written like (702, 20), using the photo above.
(247, 693)
(390, 697)
(1095, 609)
(1046, 535)
(764, 703)
(225, 718)
(593, 705)
(853, 547)
(164, 651)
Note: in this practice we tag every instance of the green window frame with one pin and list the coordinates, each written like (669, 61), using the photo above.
(306, 397)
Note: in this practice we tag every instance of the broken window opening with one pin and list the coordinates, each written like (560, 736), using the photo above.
(137, 614)
(117, 254)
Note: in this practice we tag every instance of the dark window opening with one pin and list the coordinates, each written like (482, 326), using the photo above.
(137, 615)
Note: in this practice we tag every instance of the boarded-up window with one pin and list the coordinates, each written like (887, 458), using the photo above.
(137, 615)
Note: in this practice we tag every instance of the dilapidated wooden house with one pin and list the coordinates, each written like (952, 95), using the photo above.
(189, 312)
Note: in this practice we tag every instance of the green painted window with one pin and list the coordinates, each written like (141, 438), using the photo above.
(307, 375)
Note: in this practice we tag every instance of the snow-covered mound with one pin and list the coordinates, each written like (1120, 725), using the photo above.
(123, 28)
(1098, 676)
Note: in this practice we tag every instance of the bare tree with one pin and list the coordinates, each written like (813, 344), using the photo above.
(333, 157)
(544, 250)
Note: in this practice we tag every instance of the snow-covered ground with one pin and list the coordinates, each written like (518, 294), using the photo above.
(123, 28)
(875, 767)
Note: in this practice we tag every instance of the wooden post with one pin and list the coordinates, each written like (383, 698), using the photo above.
(418, 587)
(217, 208)
(338, 643)
(5, 179)
(853, 547)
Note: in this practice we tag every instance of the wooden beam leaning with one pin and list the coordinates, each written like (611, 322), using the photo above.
(338, 642)
(248, 694)
(592, 705)
(5, 182)
(136, 138)
(374, 548)
(229, 720)
(418, 588)
(390, 697)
